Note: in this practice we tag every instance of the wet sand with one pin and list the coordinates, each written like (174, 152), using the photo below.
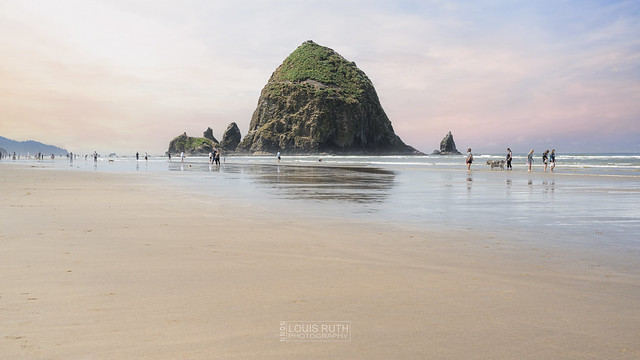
(104, 265)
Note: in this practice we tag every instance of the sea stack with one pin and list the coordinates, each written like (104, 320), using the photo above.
(319, 102)
(208, 134)
(191, 145)
(447, 146)
(231, 137)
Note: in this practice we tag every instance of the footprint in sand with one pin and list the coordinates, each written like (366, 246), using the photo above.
(12, 337)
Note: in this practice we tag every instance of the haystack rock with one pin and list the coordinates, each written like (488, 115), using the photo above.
(317, 101)
(447, 146)
(231, 137)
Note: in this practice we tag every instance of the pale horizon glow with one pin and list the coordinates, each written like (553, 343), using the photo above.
(127, 76)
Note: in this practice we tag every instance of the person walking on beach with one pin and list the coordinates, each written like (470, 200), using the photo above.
(469, 159)
(278, 156)
(211, 156)
(216, 157)
(137, 156)
(530, 159)
(95, 156)
(169, 154)
(146, 157)
(182, 156)
(509, 158)
(545, 159)
(552, 159)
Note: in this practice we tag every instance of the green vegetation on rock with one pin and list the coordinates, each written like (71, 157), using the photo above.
(323, 70)
(191, 145)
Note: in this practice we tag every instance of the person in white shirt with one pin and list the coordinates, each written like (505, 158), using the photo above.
(469, 159)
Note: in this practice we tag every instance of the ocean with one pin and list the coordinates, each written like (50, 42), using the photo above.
(590, 201)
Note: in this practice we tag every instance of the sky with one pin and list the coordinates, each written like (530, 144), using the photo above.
(129, 75)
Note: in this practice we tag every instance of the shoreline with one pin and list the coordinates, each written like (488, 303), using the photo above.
(110, 265)
(536, 205)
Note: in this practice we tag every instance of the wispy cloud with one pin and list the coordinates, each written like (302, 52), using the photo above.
(130, 75)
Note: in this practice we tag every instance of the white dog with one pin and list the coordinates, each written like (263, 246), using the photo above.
(496, 163)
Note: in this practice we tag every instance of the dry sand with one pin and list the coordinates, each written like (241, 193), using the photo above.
(119, 266)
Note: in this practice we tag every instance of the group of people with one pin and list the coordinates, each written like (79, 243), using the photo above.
(38, 156)
(146, 156)
(8, 156)
(547, 159)
(214, 156)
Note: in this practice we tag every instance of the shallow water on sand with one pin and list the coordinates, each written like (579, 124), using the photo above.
(585, 207)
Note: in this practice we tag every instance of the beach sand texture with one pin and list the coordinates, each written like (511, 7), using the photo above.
(119, 266)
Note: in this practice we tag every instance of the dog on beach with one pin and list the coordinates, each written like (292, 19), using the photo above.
(496, 163)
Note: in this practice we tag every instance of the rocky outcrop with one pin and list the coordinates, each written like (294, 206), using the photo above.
(208, 134)
(231, 137)
(191, 145)
(317, 101)
(447, 146)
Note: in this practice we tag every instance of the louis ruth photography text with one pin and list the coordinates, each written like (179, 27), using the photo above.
(315, 331)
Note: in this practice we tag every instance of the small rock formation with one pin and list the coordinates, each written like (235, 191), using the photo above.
(208, 134)
(231, 137)
(317, 101)
(191, 145)
(447, 146)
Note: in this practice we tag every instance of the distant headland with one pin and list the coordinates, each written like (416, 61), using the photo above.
(29, 147)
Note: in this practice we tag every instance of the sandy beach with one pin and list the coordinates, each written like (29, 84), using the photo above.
(98, 265)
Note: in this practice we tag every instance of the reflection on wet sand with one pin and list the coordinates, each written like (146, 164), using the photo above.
(342, 183)
(352, 184)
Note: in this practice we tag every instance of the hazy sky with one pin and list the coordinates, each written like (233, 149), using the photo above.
(127, 76)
